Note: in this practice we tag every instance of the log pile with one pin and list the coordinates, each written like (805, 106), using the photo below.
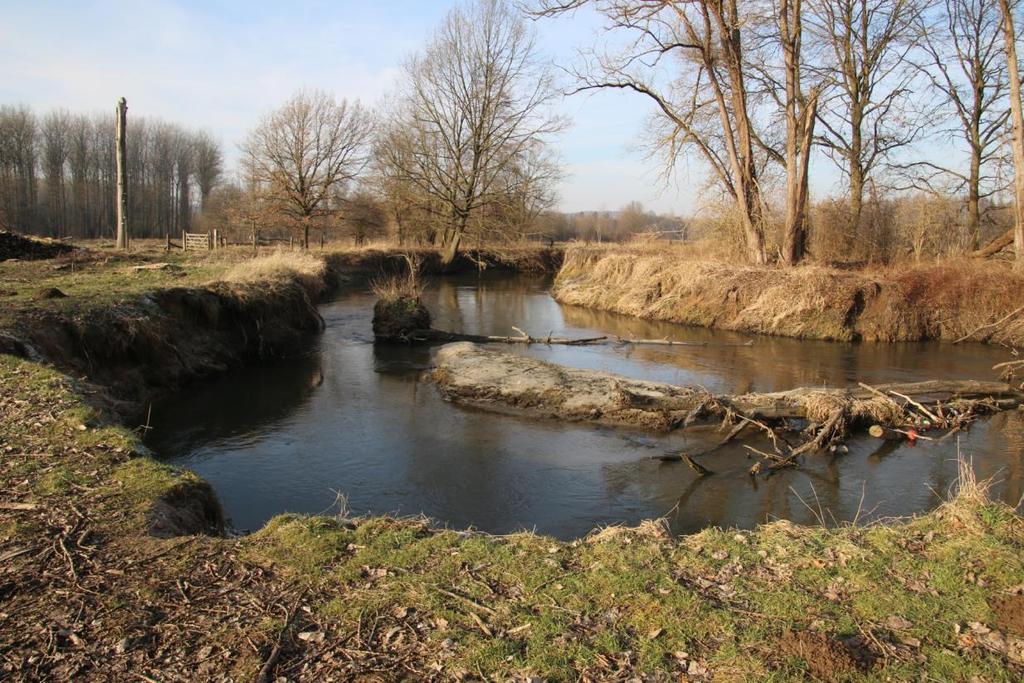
(796, 422)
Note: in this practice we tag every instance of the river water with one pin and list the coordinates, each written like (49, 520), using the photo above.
(346, 419)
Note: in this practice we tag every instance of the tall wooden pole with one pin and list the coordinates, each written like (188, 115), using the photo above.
(122, 181)
(1017, 121)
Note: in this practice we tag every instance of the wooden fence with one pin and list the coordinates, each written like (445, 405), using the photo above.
(196, 241)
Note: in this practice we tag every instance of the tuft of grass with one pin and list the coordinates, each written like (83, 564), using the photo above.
(406, 286)
(281, 267)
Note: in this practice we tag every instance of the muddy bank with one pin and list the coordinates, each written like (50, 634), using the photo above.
(16, 246)
(507, 382)
(944, 301)
(135, 347)
(168, 337)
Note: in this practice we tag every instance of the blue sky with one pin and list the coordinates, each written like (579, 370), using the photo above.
(220, 65)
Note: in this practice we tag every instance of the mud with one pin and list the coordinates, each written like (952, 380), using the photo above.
(826, 659)
(15, 246)
(1009, 613)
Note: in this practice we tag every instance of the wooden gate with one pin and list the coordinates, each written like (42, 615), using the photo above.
(196, 241)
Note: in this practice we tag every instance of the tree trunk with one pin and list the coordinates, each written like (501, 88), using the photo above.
(122, 190)
(974, 203)
(1017, 119)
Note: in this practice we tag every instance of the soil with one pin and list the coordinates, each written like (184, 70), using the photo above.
(49, 293)
(826, 659)
(1009, 613)
(15, 246)
(398, 319)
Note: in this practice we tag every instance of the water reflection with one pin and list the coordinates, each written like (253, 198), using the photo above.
(350, 417)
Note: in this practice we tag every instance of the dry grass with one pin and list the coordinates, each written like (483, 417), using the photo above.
(942, 300)
(400, 286)
(281, 267)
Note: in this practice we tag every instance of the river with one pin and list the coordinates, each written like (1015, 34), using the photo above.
(345, 420)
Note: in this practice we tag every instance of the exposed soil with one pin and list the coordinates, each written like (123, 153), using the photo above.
(826, 659)
(396, 320)
(1009, 613)
(15, 246)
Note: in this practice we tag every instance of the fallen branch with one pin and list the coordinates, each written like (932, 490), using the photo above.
(444, 337)
(989, 325)
(995, 246)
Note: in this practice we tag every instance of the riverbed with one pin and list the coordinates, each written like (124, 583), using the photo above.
(349, 426)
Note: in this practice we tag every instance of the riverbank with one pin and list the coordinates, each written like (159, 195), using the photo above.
(89, 593)
(944, 301)
(91, 588)
(144, 323)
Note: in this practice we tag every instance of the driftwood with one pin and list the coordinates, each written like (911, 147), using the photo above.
(445, 337)
(511, 383)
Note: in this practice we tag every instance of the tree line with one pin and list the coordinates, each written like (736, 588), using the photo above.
(753, 88)
(915, 102)
(57, 173)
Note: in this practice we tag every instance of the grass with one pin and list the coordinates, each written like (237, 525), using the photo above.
(943, 300)
(88, 593)
(396, 594)
(281, 266)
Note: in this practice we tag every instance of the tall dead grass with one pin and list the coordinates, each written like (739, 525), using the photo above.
(281, 268)
(941, 300)
(407, 285)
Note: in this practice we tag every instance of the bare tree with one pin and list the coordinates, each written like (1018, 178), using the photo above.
(800, 112)
(1017, 119)
(966, 65)
(865, 117)
(56, 149)
(208, 163)
(303, 152)
(470, 105)
(706, 108)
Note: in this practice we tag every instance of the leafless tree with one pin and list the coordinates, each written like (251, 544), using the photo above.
(704, 107)
(303, 152)
(470, 106)
(55, 150)
(209, 164)
(865, 117)
(1017, 119)
(965, 63)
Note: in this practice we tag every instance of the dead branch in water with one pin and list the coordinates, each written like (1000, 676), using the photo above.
(444, 336)
(502, 381)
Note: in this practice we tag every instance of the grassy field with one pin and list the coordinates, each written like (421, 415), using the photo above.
(91, 590)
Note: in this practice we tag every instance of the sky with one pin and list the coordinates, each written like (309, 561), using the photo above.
(220, 65)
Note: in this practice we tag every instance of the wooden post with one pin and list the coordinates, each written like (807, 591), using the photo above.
(167, 246)
(122, 189)
(321, 240)
(291, 242)
(184, 243)
(216, 239)
(255, 241)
